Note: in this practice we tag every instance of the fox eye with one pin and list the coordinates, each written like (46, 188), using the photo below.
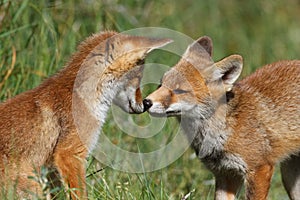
(158, 86)
(179, 91)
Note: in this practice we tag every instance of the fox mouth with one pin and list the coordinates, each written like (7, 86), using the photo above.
(137, 109)
(165, 114)
(173, 112)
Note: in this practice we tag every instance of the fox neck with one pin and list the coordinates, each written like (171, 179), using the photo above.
(207, 135)
(92, 85)
(96, 90)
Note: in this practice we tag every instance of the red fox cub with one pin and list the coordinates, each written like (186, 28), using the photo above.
(41, 128)
(239, 130)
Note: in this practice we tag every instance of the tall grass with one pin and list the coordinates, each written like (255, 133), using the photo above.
(37, 38)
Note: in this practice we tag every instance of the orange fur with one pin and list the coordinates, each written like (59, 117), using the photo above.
(57, 124)
(240, 131)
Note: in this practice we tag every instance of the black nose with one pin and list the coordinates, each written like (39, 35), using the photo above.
(147, 104)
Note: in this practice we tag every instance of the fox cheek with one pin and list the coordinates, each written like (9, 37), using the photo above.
(169, 99)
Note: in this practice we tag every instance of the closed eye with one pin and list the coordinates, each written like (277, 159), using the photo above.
(179, 91)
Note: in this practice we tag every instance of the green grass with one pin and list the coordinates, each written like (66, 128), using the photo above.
(38, 37)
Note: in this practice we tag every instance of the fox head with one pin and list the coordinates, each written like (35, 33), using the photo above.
(133, 50)
(118, 62)
(194, 85)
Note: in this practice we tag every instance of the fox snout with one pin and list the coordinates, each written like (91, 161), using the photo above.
(147, 104)
(154, 108)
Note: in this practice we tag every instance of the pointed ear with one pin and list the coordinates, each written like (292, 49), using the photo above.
(229, 70)
(206, 43)
(146, 44)
(202, 43)
(155, 43)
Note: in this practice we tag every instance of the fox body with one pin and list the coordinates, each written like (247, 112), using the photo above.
(239, 131)
(57, 124)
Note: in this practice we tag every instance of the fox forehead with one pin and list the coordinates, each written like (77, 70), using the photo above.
(184, 76)
(174, 79)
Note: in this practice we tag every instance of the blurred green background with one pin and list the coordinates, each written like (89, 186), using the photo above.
(38, 37)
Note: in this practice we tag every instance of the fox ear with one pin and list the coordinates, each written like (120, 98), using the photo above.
(155, 43)
(146, 44)
(205, 43)
(229, 70)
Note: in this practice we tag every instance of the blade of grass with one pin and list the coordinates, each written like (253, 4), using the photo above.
(9, 71)
(5, 34)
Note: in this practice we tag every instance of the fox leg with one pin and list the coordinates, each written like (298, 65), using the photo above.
(16, 177)
(69, 159)
(258, 182)
(290, 173)
(25, 186)
(227, 186)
